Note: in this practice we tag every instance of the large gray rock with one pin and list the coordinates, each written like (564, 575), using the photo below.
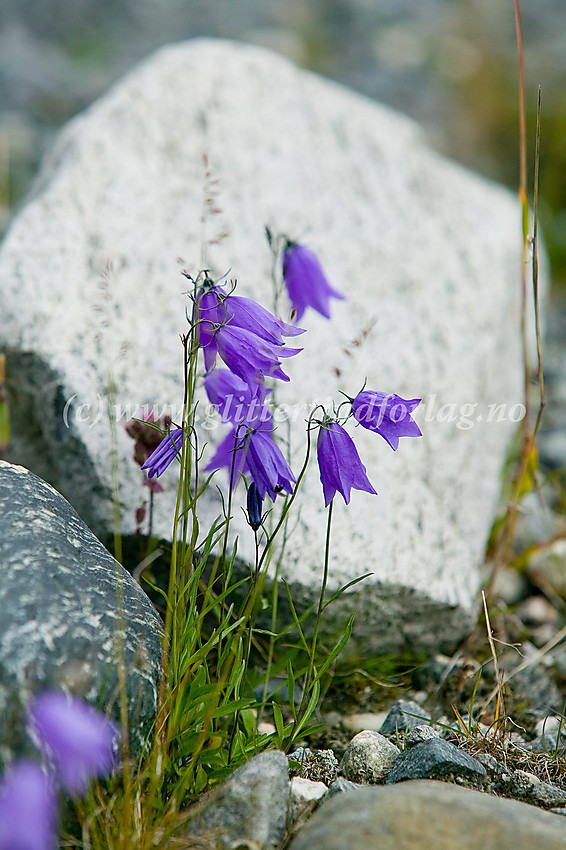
(60, 614)
(415, 242)
(429, 815)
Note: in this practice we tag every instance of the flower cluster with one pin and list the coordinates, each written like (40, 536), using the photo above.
(251, 342)
(77, 743)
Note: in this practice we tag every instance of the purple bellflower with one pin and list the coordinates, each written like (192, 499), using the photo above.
(267, 465)
(244, 313)
(339, 463)
(28, 808)
(387, 414)
(167, 450)
(79, 739)
(230, 454)
(255, 453)
(306, 282)
(249, 356)
(217, 310)
(235, 400)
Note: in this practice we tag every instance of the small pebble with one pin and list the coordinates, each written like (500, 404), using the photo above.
(369, 758)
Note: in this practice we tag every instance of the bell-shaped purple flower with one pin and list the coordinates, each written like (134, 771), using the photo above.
(230, 454)
(79, 740)
(28, 808)
(235, 400)
(306, 282)
(267, 465)
(244, 313)
(249, 356)
(255, 453)
(339, 463)
(167, 450)
(387, 414)
(216, 309)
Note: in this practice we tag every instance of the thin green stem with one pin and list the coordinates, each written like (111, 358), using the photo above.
(311, 667)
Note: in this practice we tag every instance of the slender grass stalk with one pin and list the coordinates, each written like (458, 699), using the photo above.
(529, 434)
(312, 656)
(121, 621)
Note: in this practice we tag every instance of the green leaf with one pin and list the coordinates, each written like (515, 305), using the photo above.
(338, 648)
(344, 588)
(278, 720)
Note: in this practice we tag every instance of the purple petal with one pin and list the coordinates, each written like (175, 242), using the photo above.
(232, 444)
(79, 739)
(339, 463)
(267, 465)
(249, 356)
(208, 316)
(28, 809)
(387, 414)
(245, 313)
(164, 454)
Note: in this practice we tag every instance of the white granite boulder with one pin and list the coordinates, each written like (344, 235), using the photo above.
(426, 253)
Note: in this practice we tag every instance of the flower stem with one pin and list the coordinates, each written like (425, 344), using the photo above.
(311, 669)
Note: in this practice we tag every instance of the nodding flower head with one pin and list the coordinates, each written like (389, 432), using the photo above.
(306, 282)
(254, 452)
(249, 356)
(216, 310)
(235, 400)
(341, 469)
(167, 450)
(78, 739)
(387, 414)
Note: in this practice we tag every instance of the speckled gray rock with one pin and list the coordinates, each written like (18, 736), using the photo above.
(428, 815)
(434, 759)
(403, 715)
(250, 809)
(60, 613)
(369, 757)
(316, 765)
(414, 241)
(418, 734)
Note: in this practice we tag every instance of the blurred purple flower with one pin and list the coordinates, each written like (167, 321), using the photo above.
(28, 810)
(79, 739)
(340, 466)
(164, 454)
(306, 282)
(387, 414)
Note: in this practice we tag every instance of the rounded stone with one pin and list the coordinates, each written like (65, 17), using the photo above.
(430, 815)
(65, 601)
(369, 758)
